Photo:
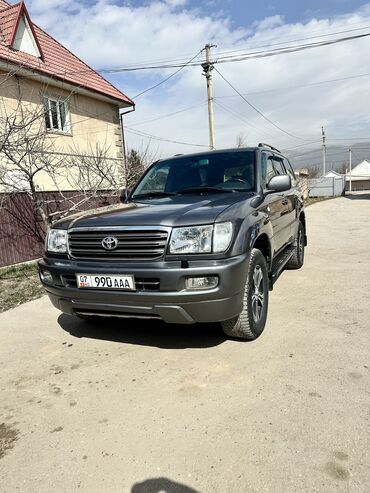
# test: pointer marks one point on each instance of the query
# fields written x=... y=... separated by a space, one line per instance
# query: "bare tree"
x=136 y=162
x=314 y=171
x=241 y=140
x=342 y=168
x=80 y=179
x=28 y=153
x=25 y=153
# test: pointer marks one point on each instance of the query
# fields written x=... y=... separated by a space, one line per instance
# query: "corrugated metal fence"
x=22 y=232
x=326 y=186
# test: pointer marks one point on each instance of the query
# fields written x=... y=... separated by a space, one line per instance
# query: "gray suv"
x=200 y=238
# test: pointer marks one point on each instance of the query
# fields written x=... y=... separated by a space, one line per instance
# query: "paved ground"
x=148 y=408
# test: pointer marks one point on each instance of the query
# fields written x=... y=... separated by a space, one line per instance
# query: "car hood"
x=179 y=210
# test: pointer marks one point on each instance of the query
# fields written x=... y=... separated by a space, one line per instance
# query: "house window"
x=56 y=115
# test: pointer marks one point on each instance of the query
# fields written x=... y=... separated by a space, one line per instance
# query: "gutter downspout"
x=123 y=140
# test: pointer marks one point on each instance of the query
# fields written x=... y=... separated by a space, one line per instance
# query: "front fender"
x=253 y=226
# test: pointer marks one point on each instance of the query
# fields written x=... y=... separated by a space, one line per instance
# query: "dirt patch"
x=19 y=284
x=8 y=437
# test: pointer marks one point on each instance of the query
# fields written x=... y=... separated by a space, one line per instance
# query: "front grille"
x=140 y=244
x=141 y=283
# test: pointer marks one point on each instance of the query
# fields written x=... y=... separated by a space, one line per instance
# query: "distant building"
x=333 y=174
x=359 y=177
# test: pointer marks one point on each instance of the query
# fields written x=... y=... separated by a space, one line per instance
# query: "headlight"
x=57 y=241
x=201 y=239
x=193 y=239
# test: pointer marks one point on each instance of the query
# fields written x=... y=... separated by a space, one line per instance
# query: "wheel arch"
x=302 y=218
x=262 y=243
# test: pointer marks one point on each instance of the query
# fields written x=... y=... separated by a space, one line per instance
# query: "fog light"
x=46 y=277
x=208 y=282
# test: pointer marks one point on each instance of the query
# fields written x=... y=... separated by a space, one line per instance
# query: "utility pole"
x=350 y=169
x=323 y=151
x=207 y=72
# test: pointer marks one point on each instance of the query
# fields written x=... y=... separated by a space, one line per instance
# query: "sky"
x=297 y=93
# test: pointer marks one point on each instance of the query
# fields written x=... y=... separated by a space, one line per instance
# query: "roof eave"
x=41 y=76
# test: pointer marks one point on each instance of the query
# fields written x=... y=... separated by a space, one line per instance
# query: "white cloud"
x=176 y=3
x=108 y=34
x=269 y=23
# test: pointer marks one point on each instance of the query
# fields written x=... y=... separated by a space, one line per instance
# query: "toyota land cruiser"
x=200 y=238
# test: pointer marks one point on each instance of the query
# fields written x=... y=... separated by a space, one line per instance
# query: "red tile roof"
x=8 y=22
x=56 y=61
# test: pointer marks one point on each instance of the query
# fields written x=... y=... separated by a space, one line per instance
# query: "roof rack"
x=261 y=144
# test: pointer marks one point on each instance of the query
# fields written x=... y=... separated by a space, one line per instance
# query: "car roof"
x=203 y=153
x=223 y=151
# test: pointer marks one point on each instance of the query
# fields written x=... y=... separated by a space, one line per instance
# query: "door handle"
x=284 y=201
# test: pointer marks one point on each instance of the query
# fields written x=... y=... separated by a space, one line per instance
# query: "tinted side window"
x=268 y=170
x=290 y=172
x=279 y=167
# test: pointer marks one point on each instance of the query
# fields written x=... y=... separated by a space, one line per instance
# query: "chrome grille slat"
x=116 y=251
x=122 y=243
x=119 y=235
x=133 y=244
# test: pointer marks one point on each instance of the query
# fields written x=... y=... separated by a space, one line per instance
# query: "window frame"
x=290 y=171
x=48 y=113
x=280 y=160
x=269 y=157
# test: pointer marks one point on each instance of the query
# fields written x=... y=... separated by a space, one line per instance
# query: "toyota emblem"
x=109 y=243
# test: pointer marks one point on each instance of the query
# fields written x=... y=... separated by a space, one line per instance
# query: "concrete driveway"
x=146 y=408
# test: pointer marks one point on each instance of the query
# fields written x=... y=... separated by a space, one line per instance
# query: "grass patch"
x=18 y=284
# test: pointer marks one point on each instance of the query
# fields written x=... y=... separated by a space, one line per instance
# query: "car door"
x=294 y=197
x=287 y=202
x=273 y=205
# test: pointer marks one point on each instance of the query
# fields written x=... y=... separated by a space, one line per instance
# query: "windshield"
x=218 y=171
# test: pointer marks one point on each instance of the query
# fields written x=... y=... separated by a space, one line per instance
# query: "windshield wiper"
x=150 y=195
x=206 y=190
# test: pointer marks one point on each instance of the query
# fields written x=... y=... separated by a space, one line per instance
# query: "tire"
x=297 y=260
x=250 y=323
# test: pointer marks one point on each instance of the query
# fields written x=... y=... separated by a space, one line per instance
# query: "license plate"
x=105 y=281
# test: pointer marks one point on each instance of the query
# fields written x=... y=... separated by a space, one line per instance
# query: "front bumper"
x=171 y=303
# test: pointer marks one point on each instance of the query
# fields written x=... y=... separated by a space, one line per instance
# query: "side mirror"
x=123 y=196
x=279 y=183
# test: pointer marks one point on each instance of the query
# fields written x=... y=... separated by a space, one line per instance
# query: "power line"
x=257 y=110
x=301 y=145
x=241 y=118
x=289 y=49
x=352 y=138
x=162 y=139
x=184 y=57
x=93 y=131
x=227 y=59
x=198 y=105
x=318 y=151
x=319 y=35
x=299 y=86
x=167 y=78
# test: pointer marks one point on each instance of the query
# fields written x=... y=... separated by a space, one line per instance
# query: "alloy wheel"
x=258 y=296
